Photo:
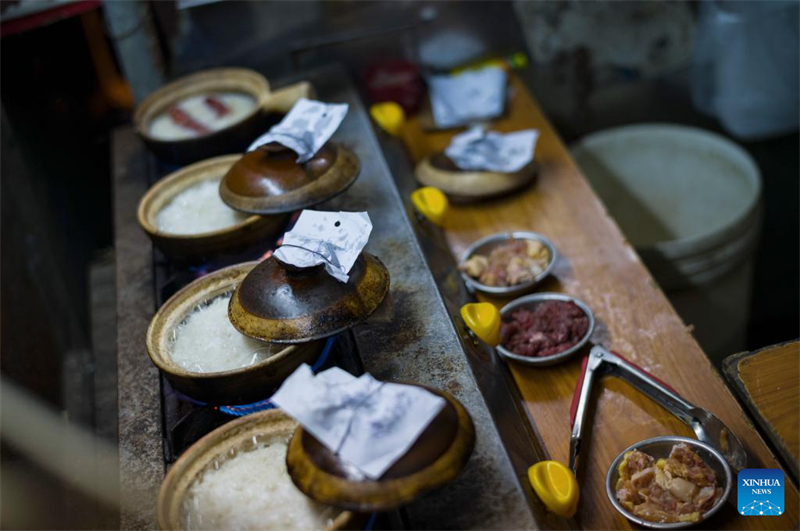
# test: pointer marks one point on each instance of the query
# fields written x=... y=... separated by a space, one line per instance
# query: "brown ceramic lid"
x=268 y=180
x=440 y=161
x=435 y=459
x=282 y=305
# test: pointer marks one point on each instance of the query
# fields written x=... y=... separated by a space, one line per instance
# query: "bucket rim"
x=740 y=155
x=745 y=228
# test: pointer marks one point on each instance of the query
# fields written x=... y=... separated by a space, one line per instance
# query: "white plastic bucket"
x=688 y=200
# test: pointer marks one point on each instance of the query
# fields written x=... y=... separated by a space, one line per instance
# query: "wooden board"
x=768 y=382
x=634 y=317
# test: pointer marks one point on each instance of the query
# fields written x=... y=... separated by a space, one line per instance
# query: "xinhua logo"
x=760 y=492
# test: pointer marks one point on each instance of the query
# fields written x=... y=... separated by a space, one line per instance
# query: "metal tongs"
x=557 y=485
x=706 y=426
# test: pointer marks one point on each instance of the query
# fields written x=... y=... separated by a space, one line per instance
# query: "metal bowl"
x=240 y=435
x=485 y=245
x=659 y=447
x=530 y=302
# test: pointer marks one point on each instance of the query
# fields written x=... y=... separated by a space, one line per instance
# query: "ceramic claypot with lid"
x=240 y=385
x=192 y=247
x=221 y=448
x=463 y=186
x=435 y=459
x=287 y=309
x=269 y=180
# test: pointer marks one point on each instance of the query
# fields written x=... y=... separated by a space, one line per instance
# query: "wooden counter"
x=768 y=382
x=634 y=317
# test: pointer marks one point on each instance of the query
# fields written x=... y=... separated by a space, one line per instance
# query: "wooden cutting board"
x=768 y=382
x=599 y=266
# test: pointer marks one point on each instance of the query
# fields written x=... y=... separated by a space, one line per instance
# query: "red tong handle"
x=648 y=373
x=573 y=408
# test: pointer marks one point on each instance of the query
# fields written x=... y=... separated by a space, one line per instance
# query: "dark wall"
x=56 y=206
x=55 y=212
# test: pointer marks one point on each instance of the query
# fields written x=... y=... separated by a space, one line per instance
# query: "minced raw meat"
x=550 y=328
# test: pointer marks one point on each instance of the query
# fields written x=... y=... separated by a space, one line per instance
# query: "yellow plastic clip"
x=389 y=116
x=483 y=318
x=431 y=203
x=556 y=486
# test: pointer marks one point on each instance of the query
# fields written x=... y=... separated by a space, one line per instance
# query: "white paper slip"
x=368 y=423
x=479 y=150
x=334 y=239
x=469 y=97
x=306 y=128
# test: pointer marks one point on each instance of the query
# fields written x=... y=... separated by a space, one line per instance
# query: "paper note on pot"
x=369 y=424
x=306 y=128
x=334 y=239
x=479 y=150
x=473 y=96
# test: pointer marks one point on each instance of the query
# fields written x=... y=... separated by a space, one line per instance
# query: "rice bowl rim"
x=178 y=307
x=237 y=80
x=192 y=464
x=163 y=192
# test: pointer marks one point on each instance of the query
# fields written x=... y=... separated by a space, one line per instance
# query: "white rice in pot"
x=207 y=341
x=252 y=490
x=164 y=127
x=197 y=210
